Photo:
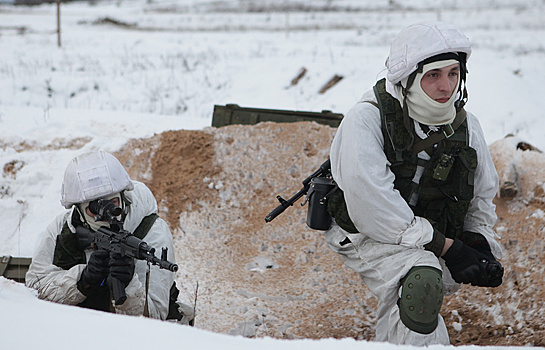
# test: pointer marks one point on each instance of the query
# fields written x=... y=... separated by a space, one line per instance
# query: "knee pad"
x=421 y=299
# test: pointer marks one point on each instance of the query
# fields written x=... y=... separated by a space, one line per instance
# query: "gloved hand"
x=95 y=272
x=482 y=247
x=468 y=265
x=121 y=268
x=493 y=267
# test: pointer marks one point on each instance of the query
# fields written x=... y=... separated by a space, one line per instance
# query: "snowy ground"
x=166 y=63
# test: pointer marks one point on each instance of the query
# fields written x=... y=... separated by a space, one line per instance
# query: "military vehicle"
x=234 y=114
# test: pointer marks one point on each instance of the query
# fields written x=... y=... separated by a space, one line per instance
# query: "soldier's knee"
x=421 y=299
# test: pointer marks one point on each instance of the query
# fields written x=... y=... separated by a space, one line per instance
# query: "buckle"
x=450 y=132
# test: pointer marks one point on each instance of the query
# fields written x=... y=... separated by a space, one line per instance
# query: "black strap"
x=145 y=225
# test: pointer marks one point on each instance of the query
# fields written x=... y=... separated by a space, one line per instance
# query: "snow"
x=108 y=84
x=29 y=326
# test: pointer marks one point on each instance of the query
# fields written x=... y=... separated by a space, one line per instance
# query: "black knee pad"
x=421 y=299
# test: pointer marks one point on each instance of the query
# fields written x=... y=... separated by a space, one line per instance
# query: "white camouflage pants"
x=382 y=266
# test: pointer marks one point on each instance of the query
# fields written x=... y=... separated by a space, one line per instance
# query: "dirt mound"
x=279 y=279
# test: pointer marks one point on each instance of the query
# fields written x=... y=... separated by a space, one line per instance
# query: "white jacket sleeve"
x=52 y=282
x=481 y=216
x=361 y=169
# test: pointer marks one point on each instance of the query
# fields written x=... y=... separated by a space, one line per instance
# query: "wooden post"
x=336 y=78
x=59 y=23
x=301 y=74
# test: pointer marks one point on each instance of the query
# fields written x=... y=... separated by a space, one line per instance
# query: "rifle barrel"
x=284 y=204
x=274 y=213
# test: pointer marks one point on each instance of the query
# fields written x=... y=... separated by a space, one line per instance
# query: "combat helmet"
x=423 y=43
x=92 y=176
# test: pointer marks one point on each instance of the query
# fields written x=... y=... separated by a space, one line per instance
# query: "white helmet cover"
x=91 y=176
x=420 y=41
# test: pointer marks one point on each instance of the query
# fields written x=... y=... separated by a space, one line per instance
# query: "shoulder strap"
x=373 y=103
x=392 y=118
x=145 y=225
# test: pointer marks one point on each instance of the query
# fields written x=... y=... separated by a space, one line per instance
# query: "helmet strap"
x=79 y=212
x=460 y=103
x=409 y=125
x=125 y=204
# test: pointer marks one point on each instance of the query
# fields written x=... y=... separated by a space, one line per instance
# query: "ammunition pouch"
x=326 y=201
x=318 y=217
x=336 y=207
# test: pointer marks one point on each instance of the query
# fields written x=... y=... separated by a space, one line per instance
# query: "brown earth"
x=279 y=279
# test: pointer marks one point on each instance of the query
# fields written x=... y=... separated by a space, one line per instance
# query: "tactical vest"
x=68 y=254
x=445 y=189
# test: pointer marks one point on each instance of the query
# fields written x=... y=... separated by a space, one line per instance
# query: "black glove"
x=476 y=241
x=483 y=247
x=468 y=265
x=95 y=272
x=494 y=269
x=121 y=268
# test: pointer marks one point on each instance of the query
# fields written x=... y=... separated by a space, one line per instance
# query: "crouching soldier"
x=68 y=268
x=415 y=215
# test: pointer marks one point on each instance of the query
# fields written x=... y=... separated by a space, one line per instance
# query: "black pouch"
x=337 y=209
x=318 y=217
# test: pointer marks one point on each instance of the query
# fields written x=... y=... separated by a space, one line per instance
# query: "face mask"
x=95 y=225
x=423 y=108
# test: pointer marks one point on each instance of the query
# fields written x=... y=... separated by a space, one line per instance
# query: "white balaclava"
x=423 y=108
x=95 y=225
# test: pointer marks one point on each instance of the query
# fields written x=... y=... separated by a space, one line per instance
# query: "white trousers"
x=382 y=266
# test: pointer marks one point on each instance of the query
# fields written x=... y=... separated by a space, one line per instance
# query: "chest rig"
x=444 y=190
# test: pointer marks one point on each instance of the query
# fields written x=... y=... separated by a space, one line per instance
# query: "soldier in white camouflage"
x=414 y=215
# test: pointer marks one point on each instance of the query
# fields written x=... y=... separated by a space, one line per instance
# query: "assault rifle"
x=116 y=240
x=318 y=184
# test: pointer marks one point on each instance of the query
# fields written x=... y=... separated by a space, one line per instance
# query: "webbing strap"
x=388 y=112
x=440 y=135
x=145 y=225
x=146 y=306
x=373 y=103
